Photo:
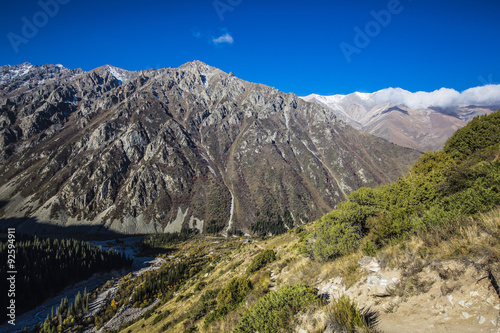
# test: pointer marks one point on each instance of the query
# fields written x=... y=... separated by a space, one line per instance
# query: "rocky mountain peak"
x=122 y=75
x=199 y=67
x=159 y=150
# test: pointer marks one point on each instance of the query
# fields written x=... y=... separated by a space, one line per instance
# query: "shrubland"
x=441 y=189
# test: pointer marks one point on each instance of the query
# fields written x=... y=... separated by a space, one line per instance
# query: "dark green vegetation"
x=46 y=266
x=156 y=241
x=439 y=189
x=274 y=312
x=207 y=302
x=233 y=293
x=270 y=219
x=218 y=208
x=164 y=281
x=261 y=260
x=66 y=315
x=480 y=133
x=229 y=298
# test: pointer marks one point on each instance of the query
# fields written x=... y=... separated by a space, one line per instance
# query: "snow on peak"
x=363 y=96
x=444 y=97
x=123 y=76
x=22 y=70
x=114 y=71
x=12 y=72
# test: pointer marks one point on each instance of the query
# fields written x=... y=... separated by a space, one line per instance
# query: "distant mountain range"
x=422 y=121
x=159 y=150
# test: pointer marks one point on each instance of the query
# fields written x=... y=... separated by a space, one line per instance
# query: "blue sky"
x=296 y=46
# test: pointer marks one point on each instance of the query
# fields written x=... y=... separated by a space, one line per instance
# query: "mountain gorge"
x=422 y=121
x=159 y=150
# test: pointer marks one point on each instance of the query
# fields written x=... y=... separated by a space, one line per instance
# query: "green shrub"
x=275 y=311
x=192 y=329
x=369 y=248
x=166 y=326
x=161 y=316
x=339 y=232
x=199 y=286
x=207 y=302
x=438 y=216
x=298 y=229
x=481 y=132
x=334 y=238
x=233 y=293
x=215 y=315
x=363 y=197
x=262 y=259
x=345 y=316
x=473 y=186
x=228 y=299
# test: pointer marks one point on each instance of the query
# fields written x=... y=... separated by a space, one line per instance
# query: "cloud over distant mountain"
x=444 y=97
x=419 y=120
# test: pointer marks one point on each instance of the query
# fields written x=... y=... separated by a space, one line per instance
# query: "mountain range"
x=160 y=150
x=421 y=120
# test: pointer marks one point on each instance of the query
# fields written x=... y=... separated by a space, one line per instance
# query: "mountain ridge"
x=159 y=150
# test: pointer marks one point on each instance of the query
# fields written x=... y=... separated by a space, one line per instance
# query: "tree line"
x=46 y=266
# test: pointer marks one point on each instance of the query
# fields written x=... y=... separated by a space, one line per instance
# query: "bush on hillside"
x=233 y=293
x=275 y=311
x=334 y=238
x=480 y=133
x=262 y=259
x=340 y=231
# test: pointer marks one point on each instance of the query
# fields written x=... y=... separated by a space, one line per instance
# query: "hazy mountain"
x=156 y=150
x=422 y=121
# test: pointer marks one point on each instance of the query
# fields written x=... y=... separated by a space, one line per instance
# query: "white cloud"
x=485 y=95
x=489 y=94
x=226 y=38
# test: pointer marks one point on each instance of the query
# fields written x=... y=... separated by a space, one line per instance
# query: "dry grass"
x=305 y=270
x=233 y=263
x=346 y=316
x=476 y=237
x=348 y=268
x=312 y=320
x=473 y=241
x=473 y=237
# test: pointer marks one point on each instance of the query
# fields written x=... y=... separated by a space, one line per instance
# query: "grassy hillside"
x=437 y=227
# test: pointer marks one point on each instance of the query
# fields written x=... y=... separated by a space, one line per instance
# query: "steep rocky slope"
x=156 y=150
